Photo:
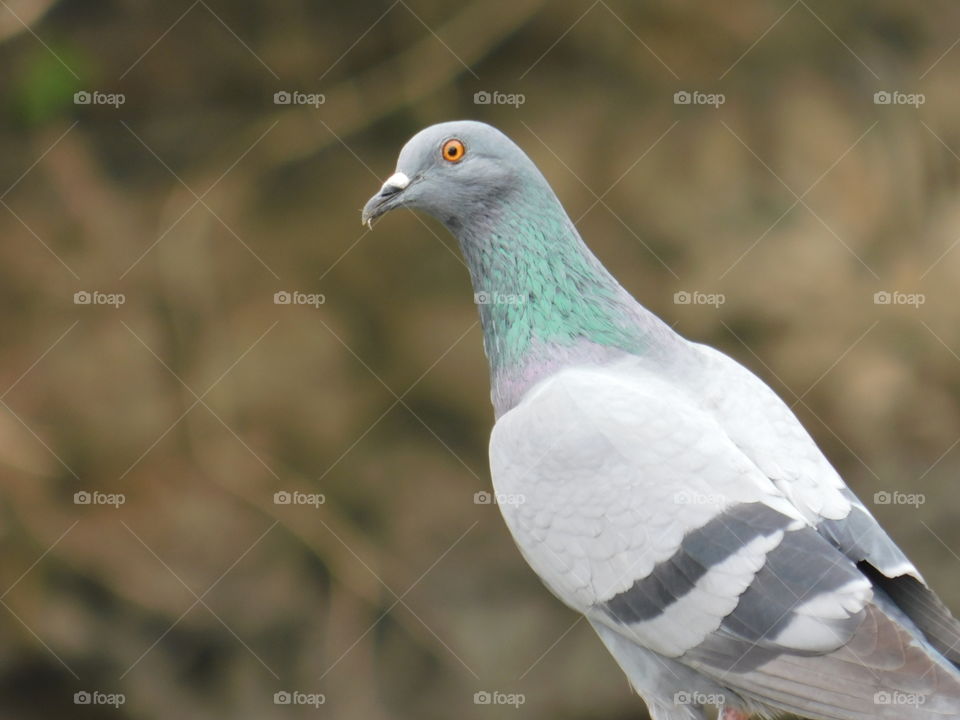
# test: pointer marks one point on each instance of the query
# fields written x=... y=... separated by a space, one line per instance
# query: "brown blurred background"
x=198 y=398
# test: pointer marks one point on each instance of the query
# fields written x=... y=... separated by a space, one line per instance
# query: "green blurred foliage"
x=43 y=91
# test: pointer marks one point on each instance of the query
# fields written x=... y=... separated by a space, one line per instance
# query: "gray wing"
x=641 y=512
x=860 y=537
x=809 y=635
x=766 y=430
x=881 y=672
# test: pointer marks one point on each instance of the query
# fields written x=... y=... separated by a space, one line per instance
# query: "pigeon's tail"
x=927 y=613
x=887 y=670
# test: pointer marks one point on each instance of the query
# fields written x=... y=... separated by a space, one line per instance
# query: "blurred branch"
x=361 y=100
x=336 y=543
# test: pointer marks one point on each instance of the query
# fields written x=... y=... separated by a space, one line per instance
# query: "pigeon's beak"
x=387 y=199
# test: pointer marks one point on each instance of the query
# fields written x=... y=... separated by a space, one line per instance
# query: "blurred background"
x=210 y=496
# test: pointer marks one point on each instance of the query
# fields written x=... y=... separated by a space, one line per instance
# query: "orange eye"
x=453 y=150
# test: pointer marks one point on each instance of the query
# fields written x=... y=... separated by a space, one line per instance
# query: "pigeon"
x=668 y=494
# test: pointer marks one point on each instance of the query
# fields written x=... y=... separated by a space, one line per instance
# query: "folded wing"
x=642 y=512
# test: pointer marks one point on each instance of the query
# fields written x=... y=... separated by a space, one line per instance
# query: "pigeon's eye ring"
x=453 y=150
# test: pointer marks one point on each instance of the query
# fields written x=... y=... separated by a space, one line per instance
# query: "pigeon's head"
x=453 y=171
